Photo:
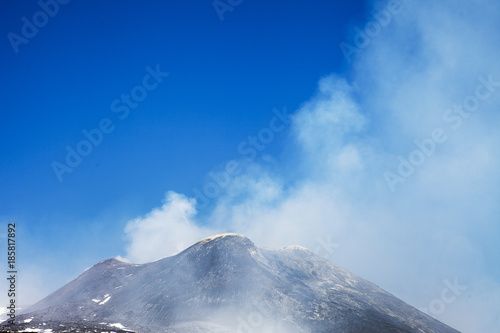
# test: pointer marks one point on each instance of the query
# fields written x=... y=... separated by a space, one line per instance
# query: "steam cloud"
x=438 y=222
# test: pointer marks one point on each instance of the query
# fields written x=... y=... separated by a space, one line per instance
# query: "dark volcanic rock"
x=226 y=284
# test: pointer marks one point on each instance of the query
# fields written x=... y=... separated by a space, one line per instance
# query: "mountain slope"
x=226 y=284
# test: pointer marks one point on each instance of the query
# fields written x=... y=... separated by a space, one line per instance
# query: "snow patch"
x=96 y=300
x=105 y=300
x=253 y=252
x=28 y=320
x=117 y=325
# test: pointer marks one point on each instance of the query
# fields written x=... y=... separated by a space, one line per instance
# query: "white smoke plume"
x=397 y=164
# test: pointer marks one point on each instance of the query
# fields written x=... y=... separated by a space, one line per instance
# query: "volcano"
x=221 y=284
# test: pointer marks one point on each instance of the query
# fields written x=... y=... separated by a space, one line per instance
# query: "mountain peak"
x=226 y=244
x=225 y=240
x=225 y=237
x=222 y=280
x=112 y=262
x=295 y=247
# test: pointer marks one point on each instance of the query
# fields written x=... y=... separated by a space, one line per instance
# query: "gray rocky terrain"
x=221 y=284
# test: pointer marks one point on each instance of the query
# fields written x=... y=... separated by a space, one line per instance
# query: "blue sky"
x=374 y=157
x=225 y=79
